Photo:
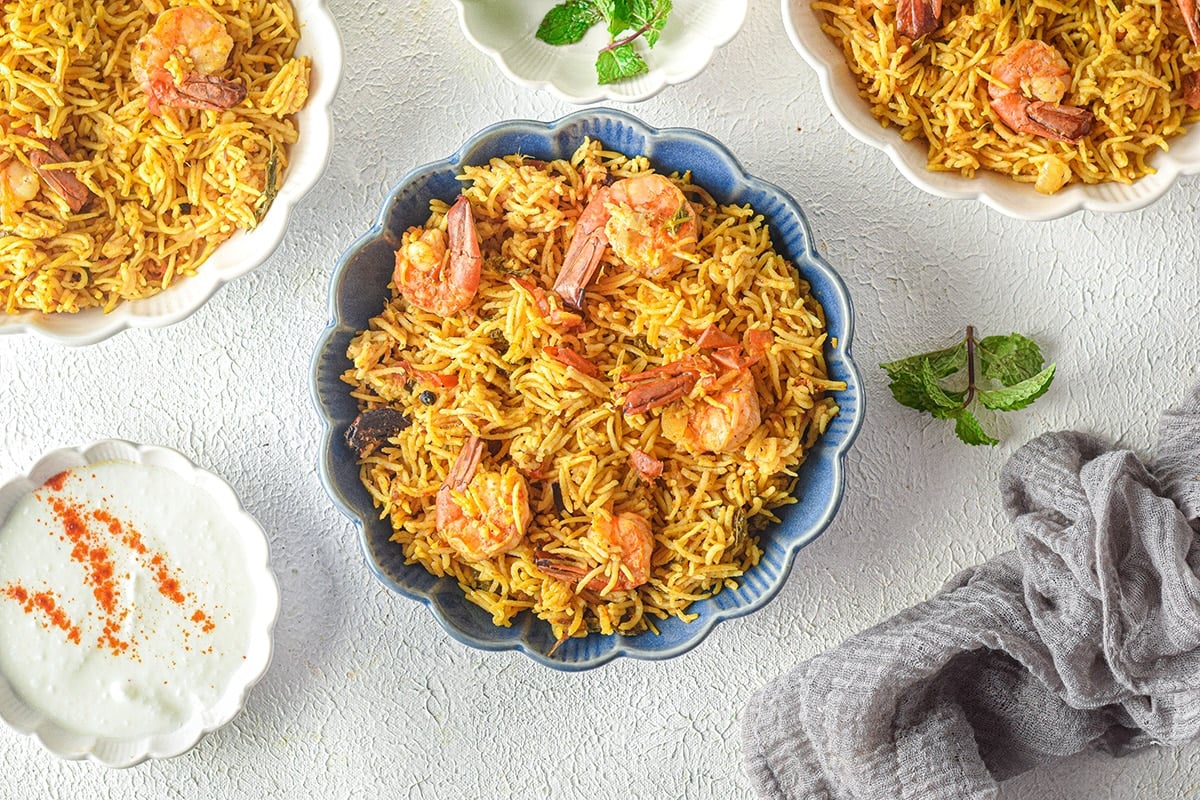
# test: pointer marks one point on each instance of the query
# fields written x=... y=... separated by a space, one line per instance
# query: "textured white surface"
x=367 y=696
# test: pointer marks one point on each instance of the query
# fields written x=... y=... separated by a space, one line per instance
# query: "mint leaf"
x=619 y=63
x=649 y=16
x=1010 y=365
x=661 y=11
x=1018 y=395
x=968 y=429
x=619 y=18
x=568 y=21
x=943 y=362
x=909 y=390
x=936 y=394
x=908 y=382
x=1009 y=359
x=948 y=361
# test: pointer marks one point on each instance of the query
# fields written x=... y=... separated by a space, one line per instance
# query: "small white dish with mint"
x=588 y=51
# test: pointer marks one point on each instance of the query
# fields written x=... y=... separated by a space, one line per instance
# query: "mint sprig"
x=1011 y=367
x=627 y=21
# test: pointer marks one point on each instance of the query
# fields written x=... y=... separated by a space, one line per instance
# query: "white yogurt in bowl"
x=136 y=603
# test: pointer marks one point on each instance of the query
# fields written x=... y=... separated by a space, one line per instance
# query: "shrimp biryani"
x=136 y=137
x=1106 y=87
x=591 y=386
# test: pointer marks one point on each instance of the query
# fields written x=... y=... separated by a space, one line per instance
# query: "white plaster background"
x=367 y=697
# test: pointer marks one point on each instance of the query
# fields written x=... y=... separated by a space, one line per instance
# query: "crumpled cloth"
x=1086 y=636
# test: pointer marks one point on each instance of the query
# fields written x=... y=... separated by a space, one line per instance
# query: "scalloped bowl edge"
x=119 y=752
x=830 y=454
x=996 y=191
x=310 y=157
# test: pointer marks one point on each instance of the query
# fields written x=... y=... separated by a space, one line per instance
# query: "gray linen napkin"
x=1087 y=635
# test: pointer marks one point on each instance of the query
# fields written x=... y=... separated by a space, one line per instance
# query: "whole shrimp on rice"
x=726 y=411
x=482 y=513
x=1028 y=81
x=645 y=220
x=628 y=542
x=22 y=183
x=439 y=271
x=177 y=60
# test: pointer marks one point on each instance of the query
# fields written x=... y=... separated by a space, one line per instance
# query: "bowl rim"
x=91 y=326
x=657 y=80
x=120 y=752
x=833 y=454
x=1031 y=206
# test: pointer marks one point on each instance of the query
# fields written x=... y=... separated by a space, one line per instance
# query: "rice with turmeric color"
x=490 y=371
x=1129 y=63
x=159 y=192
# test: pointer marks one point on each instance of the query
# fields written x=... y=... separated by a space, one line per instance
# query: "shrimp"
x=21 y=183
x=176 y=60
x=64 y=184
x=1191 y=18
x=647 y=465
x=439 y=272
x=644 y=219
x=18 y=185
x=482 y=514
x=629 y=543
x=569 y=358
x=1191 y=90
x=1028 y=81
x=915 y=18
x=727 y=412
x=720 y=422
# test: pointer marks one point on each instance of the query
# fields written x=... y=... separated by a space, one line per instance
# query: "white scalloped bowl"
x=1007 y=196
x=245 y=250
x=504 y=30
x=117 y=751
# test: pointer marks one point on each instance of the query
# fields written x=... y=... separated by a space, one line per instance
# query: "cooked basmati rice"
x=564 y=430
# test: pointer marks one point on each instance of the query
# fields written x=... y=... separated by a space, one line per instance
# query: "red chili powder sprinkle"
x=91 y=549
x=56 y=481
x=46 y=604
x=203 y=621
x=168 y=586
x=131 y=538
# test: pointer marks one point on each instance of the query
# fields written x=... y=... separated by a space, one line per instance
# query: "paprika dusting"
x=95 y=535
x=131 y=597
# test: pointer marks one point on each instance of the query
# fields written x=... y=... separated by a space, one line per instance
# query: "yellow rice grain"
x=1127 y=63
x=565 y=430
x=167 y=190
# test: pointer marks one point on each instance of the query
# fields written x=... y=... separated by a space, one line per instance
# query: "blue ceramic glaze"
x=358 y=292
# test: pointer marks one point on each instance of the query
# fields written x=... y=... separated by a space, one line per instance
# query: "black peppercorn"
x=428 y=398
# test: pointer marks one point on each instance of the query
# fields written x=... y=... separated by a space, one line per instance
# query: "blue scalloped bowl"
x=358 y=292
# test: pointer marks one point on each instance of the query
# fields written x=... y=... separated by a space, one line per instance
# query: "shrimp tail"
x=465 y=465
x=194 y=91
x=658 y=386
x=1059 y=122
x=67 y=186
x=557 y=567
x=647 y=465
x=568 y=357
x=466 y=259
x=1191 y=18
x=916 y=18
x=587 y=247
x=653 y=394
